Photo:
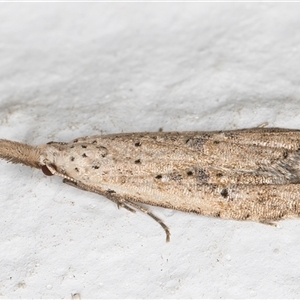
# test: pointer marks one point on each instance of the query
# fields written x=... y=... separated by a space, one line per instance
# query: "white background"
x=74 y=69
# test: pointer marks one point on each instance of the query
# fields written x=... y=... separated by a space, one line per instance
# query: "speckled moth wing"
x=249 y=174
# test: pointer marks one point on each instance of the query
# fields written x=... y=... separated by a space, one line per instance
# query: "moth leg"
x=149 y=213
x=120 y=203
x=266 y=222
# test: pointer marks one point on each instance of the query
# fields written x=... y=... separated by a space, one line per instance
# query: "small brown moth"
x=248 y=174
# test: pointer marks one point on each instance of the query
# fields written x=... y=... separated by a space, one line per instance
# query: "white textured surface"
x=71 y=69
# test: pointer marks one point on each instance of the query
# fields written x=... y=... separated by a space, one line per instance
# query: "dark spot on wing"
x=84 y=146
x=137 y=144
x=72 y=158
x=224 y=193
x=158 y=176
x=84 y=155
x=103 y=150
x=200 y=175
x=138 y=161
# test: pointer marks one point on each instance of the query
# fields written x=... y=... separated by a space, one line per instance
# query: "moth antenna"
x=20 y=153
x=153 y=216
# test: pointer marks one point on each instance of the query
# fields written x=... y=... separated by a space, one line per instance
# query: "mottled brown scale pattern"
x=248 y=174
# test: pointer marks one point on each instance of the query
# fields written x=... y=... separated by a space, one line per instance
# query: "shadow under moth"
x=247 y=174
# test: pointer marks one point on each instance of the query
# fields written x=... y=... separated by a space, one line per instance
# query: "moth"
x=248 y=174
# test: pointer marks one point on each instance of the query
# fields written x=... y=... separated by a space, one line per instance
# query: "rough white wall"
x=75 y=69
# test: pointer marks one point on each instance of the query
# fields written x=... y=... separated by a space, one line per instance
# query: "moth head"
x=52 y=159
x=73 y=161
